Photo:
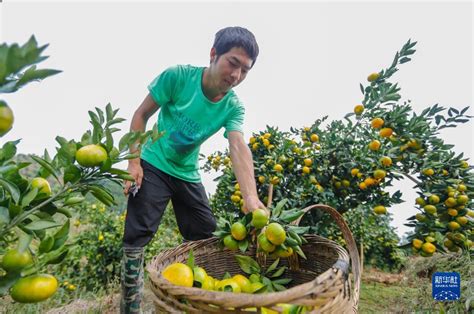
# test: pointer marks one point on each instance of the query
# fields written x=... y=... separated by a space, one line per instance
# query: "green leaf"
x=48 y=166
x=41 y=225
x=28 y=197
x=63 y=232
x=282 y=281
x=300 y=252
x=227 y=276
x=46 y=245
x=4 y=216
x=109 y=140
x=72 y=174
x=109 y=114
x=7 y=281
x=279 y=272
x=291 y=215
x=278 y=287
x=273 y=266
x=190 y=261
x=12 y=189
x=243 y=245
x=24 y=242
x=247 y=264
x=279 y=207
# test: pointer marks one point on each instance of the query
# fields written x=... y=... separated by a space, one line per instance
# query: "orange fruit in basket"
x=281 y=252
x=243 y=282
x=257 y=286
x=259 y=218
x=275 y=233
x=199 y=276
x=228 y=285
x=231 y=243
x=265 y=244
x=238 y=231
x=179 y=274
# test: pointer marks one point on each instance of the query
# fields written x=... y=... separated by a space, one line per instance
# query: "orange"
x=238 y=231
x=275 y=233
x=379 y=174
x=377 y=123
x=261 y=179
x=179 y=274
x=314 y=138
x=6 y=118
x=259 y=218
x=34 y=288
x=252 y=140
x=386 y=161
x=14 y=261
x=358 y=109
x=452 y=212
x=308 y=162
x=452 y=225
x=275 y=180
x=428 y=248
x=235 y=198
x=231 y=243
x=280 y=252
x=362 y=185
x=462 y=188
x=380 y=210
x=354 y=172
x=420 y=201
x=428 y=172
x=228 y=285
x=462 y=220
x=306 y=170
x=430 y=209
x=373 y=77
x=257 y=286
x=417 y=243
x=386 y=132
x=374 y=145
x=450 y=202
x=91 y=155
x=243 y=282
x=433 y=199
x=199 y=275
x=462 y=199
x=420 y=217
x=265 y=244
x=42 y=185
x=278 y=168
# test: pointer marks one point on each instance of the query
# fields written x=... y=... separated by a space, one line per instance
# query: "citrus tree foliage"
x=350 y=163
x=34 y=218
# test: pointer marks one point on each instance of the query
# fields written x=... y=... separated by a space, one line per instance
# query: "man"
x=194 y=103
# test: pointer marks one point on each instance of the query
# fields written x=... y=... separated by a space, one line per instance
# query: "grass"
x=382 y=298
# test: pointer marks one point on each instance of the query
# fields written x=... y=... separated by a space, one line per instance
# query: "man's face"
x=230 y=68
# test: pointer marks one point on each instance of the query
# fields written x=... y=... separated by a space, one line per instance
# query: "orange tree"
x=349 y=164
x=34 y=218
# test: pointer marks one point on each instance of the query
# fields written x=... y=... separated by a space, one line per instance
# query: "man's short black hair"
x=236 y=36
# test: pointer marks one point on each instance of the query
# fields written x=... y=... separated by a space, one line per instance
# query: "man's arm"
x=139 y=120
x=242 y=164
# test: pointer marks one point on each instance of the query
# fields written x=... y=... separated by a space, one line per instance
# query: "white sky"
x=312 y=57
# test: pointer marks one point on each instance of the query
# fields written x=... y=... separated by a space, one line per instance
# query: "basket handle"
x=351 y=244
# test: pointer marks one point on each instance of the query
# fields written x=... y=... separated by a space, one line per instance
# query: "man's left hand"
x=251 y=204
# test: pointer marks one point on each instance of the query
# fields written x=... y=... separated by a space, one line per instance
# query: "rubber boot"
x=131 y=280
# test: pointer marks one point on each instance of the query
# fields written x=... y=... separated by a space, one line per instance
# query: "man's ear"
x=213 y=55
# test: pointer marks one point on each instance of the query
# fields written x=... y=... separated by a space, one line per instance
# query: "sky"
x=313 y=55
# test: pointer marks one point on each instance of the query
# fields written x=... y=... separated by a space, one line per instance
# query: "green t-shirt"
x=188 y=118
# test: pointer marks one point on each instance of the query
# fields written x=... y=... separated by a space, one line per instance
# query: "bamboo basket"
x=321 y=282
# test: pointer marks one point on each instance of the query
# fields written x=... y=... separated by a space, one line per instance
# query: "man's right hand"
x=136 y=171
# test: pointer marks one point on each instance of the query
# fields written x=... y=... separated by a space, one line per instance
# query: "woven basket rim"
x=261 y=299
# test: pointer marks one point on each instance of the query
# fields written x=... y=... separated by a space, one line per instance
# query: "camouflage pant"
x=131 y=280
